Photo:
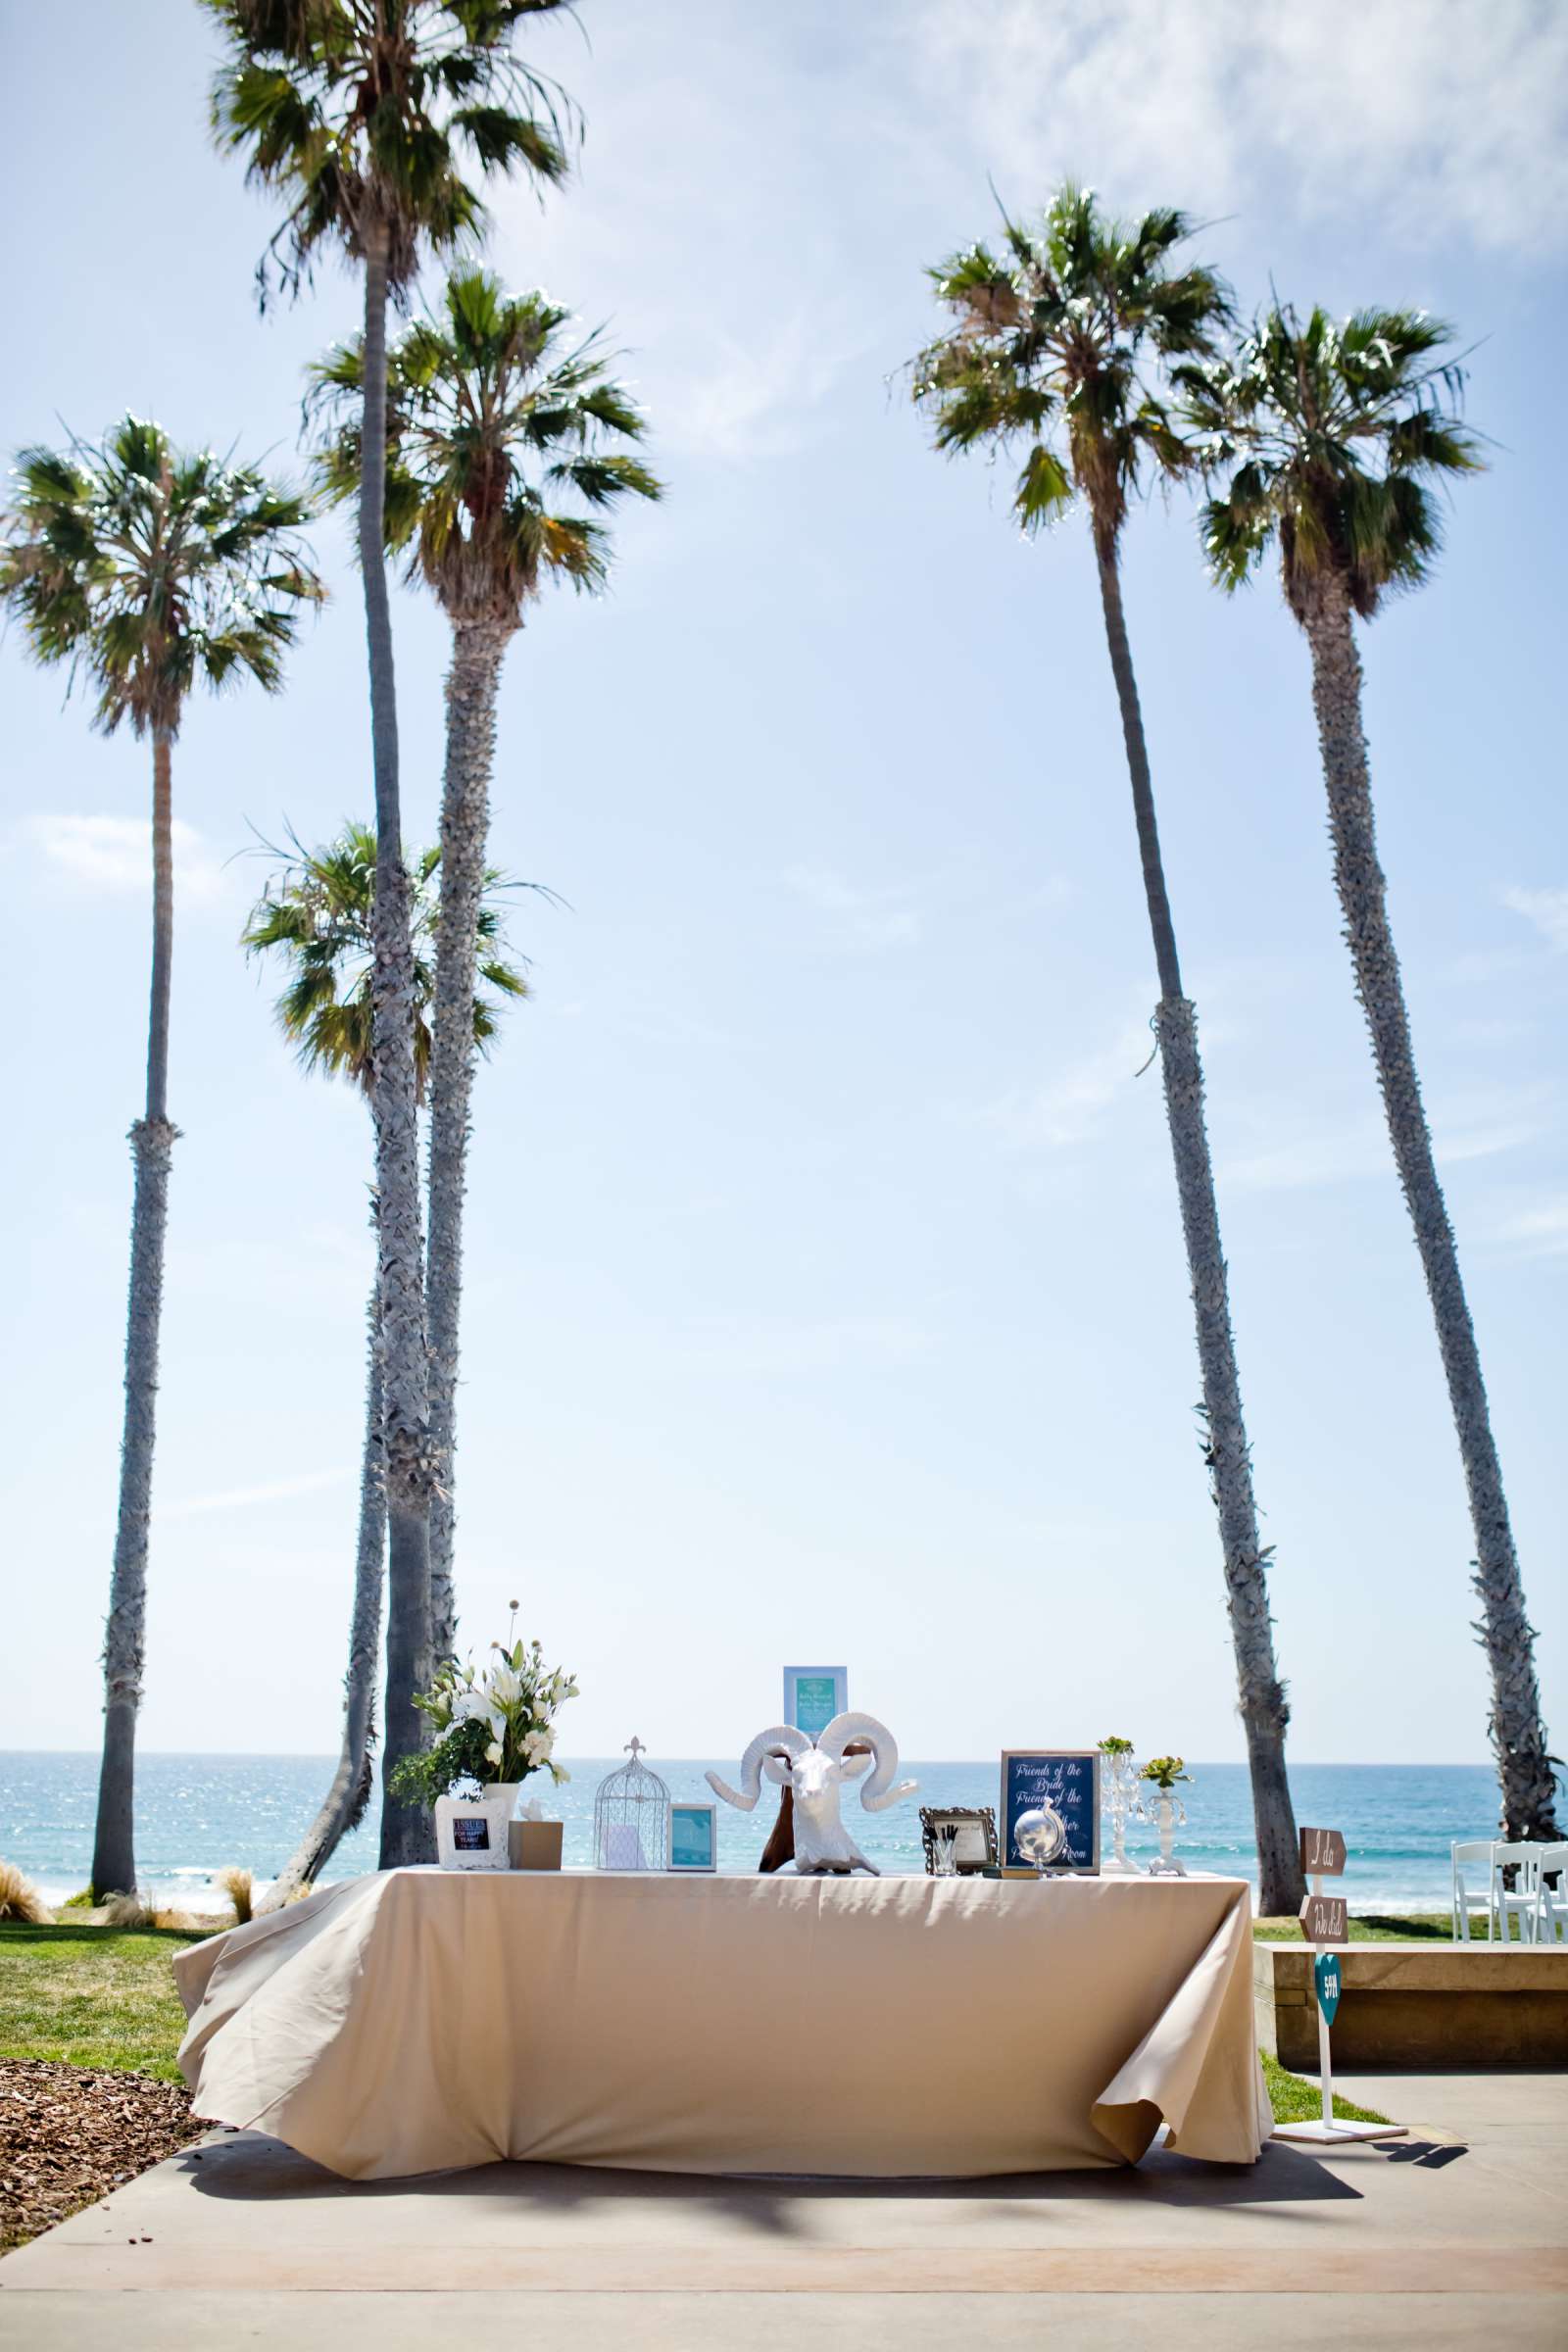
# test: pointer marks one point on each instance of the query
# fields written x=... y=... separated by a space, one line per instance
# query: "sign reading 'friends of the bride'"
x=1067 y=1781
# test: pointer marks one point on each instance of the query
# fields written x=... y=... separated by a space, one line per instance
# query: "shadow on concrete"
x=252 y=2169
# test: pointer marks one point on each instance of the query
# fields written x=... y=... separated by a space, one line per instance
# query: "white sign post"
x=1325 y=1921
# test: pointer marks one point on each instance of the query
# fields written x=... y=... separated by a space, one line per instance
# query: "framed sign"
x=471 y=1833
x=973 y=1830
x=813 y=1696
x=1066 y=1779
x=693 y=1837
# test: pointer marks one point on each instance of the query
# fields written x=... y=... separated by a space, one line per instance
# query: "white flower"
x=492 y=1754
x=505 y=1686
x=467 y=1705
x=538 y=1744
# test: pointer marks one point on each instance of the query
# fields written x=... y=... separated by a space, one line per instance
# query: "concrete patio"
x=1453 y=2237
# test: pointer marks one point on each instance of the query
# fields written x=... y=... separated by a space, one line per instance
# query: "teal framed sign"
x=693 y=1837
x=813 y=1696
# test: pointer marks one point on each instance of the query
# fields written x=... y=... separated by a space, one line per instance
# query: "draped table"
x=421 y=2020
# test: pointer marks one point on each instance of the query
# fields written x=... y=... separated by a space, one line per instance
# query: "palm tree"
x=491 y=419
x=149 y=570
x=1333 y=436
x=1050 y=354
x=318 y=915
x=363 y=115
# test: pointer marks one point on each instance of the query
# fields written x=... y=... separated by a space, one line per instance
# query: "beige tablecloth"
x=419 y=2019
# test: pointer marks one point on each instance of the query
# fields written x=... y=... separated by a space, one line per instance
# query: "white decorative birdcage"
x=631 y=1816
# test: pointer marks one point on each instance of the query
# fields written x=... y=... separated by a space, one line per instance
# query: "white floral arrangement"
x=491 y=1724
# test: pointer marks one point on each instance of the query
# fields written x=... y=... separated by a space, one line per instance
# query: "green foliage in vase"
x=1165 y=1771
x=493 y=1725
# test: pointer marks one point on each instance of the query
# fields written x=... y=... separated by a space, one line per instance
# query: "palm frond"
x=1049 y=343
x=317 y=913
x=1331 y=433
x=146 y=570
x=492 y=412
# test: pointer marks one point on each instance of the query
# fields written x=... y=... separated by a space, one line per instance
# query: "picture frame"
x=1068 y=1779
x=813 y=1696
x=693 y=1847
x=975 y=1848
x=471 y=1833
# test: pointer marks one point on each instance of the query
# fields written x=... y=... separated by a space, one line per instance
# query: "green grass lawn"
x=105 y=1997
x=1295 y=2101
x=1414 y=1927
x=97 y=1997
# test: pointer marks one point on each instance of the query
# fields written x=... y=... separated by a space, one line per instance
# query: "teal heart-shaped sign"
x=1326 y=1977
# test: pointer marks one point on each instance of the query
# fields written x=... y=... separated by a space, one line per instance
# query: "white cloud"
x=114 y=854
x=1071 y=1108
x=1540 y=1232
x=859 y=918
x=1548 y=909
x=810 y=1347
x=761 y=398
x=1308 y=1151
x=1447 y=119
x=234 y=1499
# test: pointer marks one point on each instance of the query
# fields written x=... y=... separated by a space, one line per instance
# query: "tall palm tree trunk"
x=1518 y=1735
x=406 y=1833
x=354 y=1778
x=478 y=649
x=1264 y=1709
x=152 y=1144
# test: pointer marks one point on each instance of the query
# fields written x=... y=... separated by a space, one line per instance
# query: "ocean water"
x=197 y=1814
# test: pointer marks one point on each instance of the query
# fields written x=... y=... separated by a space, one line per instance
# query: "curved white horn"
x=782 y=1736
x=877 y=1791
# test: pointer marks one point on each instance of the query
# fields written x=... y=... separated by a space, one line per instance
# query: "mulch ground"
x=70 y=2134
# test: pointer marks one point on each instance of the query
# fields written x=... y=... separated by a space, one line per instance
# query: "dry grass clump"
x=20 y=1899
x=240 y=1887
x=128 y=1911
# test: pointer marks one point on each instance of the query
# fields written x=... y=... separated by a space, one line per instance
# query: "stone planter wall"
x=1418 y=2005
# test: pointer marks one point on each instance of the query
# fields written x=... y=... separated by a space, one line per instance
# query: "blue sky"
x=826 y=1294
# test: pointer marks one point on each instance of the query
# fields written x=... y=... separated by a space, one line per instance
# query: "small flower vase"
x=1168 y=1811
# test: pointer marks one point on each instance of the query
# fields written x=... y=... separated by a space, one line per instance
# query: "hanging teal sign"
x=1326 y=1977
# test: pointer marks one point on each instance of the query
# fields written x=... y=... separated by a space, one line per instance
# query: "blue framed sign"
x=1067 y=1780
x=693 y=1836
x=813 y=1696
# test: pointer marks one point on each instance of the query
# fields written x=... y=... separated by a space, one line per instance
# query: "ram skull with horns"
x=815 y=1771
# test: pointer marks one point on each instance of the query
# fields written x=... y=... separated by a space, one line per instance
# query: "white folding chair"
x=1551 y=1900
x=1474 y=1882
x=1521 y=1901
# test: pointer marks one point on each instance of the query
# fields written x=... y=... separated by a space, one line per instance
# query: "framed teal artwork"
x=693 y=1836
x=813 y=1696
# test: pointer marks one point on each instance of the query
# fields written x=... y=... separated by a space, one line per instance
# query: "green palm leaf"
x=318 y=915
x=1329 y=440
x=355 y=113
x=491 y=412
x=149 y=570
x=1047 y=354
